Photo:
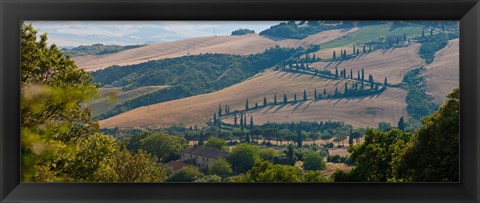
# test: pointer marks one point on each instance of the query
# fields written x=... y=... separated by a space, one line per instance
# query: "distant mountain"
x=97 y=49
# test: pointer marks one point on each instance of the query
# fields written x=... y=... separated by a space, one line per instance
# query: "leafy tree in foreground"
x=433 y=155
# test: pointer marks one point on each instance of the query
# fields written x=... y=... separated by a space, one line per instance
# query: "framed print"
x=239 y=101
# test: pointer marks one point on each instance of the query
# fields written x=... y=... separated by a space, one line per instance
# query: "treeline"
x=293 y=30
x=243 y=32
x=419 y=103
x=97 y=49
x=431 y=44
x=430 y=154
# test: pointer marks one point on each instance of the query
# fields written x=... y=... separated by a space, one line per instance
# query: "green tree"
x=275 y=99
x=246 y=104
x=266 y=172
x=401 y=124
x=220 y=167
x=216 y=143
x=264 y=101
x=125 y=167
x=313 y=161
x=433 y=155
x=185 y=174
x=165 y=147
x=243 y=157
x=285 y=100
x=334 y=55
x=315 y=94
x=209 y=179
x=268 y=154
x=304 y=95
x=219 y=110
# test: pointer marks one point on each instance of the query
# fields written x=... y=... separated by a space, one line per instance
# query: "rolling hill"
x=443 y=74
x=239 y=45
x=198 y=110
x=391 y=63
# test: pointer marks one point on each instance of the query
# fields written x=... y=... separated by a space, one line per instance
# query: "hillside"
x=97 y=49
x=198 y=110
x=108 y=98
x=392 y=63
x=239 y=45
x=443 y=74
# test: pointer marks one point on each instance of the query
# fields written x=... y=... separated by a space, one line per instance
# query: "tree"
x=275 y=99
x=165 y=147
x=290 y=153
x=404 y=37
x=243 y=157
x=295 y=97
x=264 y=171
x=315 y=94
x=220 y=167
x=285 y=100
x=125 y=167
x=423 y=33
x=325 y=93
x=336 y=91
x=336 y=72
x=185 y=174
x=246 y=104
x=299 y=139
x=345 y=92
x=219 y=110
x=326 y=137
x=433 y=155
x=363 y=48
x=363 y=75
x=351 y=74
x=245 y=121
x=60 y=142
x=251 y=122
x=241 y=121
x=268 y=154
x=385 y=82
x=401 y=124
x=235 y=119
x=256 y=104
x=216 y=143
x=264 y=101
x=353 y=49
x=209 y=179
x=313 y=161
x=304 y=95
x=334 y=55
x=214 y=118
x=282 y=134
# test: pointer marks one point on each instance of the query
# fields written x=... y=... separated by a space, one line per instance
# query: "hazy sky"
x=75 y=33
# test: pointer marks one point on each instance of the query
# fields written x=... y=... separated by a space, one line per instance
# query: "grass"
x=367 y=33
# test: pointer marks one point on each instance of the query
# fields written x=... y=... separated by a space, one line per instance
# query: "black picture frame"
x=14 y=11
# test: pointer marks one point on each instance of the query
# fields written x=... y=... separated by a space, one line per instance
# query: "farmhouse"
x=201 y=156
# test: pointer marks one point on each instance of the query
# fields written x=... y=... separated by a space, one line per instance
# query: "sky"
x=76 y=33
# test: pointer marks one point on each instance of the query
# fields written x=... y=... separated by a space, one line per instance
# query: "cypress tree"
x=314 y=58
x=401 y=124
x=325 y=93
x=245 y=121
x=385 y=82
x=264 y=101
x=226 y=109
x=304 y=95
x=346 y=89
x=256 y=104
x=358 y=51
x=219 y=110
x=299 y=139
x=295 y=97
x=351 y=74
x=404 y=37
x=363 y=48
x=336 y=72
x=246 y=105
x=363 y=75
x=214 y=118
x=285 y=100
x=275 y=99
x=241 y=121
x=423 y=33
x=247 y=137
x=334 y=55
x=336 y=91
x=369 y=48
x=358 y=75
x=315 y=94
x=251 y=122
x=235 y=120
x=354 y=49
x=344 y=73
